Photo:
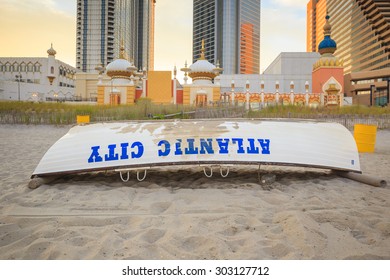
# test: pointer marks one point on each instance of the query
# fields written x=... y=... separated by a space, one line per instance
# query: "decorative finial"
x=100 y=68
x=327 y=26
x=51 y=51
x=122 y=50
x=202 y=57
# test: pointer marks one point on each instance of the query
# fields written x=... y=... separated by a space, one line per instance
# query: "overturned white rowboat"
x=139 y=145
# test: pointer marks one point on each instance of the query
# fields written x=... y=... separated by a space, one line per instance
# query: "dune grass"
x=291 y=111
x=65 y=113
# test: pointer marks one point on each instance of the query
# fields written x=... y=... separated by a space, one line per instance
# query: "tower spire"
x=202 y=50
x=122 y=50
x=327 y=26
x=328 y=45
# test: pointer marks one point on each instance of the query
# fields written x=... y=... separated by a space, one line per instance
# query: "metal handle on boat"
x=205 y=173
x=143 y=178
x=128 y=173
x=128 y=176
x=221 y=171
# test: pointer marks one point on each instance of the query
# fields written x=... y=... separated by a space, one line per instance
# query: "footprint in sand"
x=230 y=231
x=278 y=251
x=362 y=237
x=160 y=207
x=153 y=235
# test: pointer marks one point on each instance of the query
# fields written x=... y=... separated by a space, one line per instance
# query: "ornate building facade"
x=36 y=78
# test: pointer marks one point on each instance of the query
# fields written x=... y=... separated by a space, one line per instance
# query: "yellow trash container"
x=82 y=119
x=365 y=136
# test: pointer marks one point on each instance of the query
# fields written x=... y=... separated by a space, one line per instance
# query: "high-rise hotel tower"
x=104 y=25
x=360 y=27
x=231 y=30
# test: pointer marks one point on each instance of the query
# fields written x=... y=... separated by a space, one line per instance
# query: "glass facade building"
x=103 y=25
x=361 y=29
x=231 y=30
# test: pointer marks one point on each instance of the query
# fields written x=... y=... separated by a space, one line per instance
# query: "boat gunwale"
x=200 y=163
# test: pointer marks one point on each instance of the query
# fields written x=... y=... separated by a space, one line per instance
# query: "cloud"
x=29 y=27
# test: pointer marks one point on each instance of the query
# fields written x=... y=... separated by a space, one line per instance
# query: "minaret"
x=51 y=62
x=328 y=71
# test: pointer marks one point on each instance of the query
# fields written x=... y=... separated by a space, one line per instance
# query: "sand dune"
x=178 y=213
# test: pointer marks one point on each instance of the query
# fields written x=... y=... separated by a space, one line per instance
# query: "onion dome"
x=326 y=48
x=120 y=68
x=51 y=51
x=202 y=69
x=328 y=45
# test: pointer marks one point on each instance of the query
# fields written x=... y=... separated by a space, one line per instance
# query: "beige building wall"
x=86 y=85
x=159 y=87
x=190 y=92
x=216 y=94
x=186 y=95
x=130 y=94
x=100 y=95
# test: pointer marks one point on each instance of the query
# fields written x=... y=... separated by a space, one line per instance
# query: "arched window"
x=37 y=67
x=22 y=67
x=15 y=67
x=52 y=70
x=30 y=67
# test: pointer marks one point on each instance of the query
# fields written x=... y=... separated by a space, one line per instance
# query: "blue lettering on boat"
x=137 y=151
x=179 y=147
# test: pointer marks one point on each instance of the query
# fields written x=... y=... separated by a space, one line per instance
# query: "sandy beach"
x=178 y=213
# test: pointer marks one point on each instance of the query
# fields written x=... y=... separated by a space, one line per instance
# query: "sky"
x=28 y=27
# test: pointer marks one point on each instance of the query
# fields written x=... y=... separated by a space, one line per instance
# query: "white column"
x=292 y=92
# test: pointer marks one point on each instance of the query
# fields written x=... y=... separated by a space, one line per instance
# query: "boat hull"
x=121 y=145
